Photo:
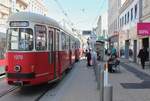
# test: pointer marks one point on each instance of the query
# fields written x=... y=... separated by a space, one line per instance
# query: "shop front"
x=143 y=31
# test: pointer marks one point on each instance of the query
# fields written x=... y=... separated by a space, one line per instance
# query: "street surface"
x=131 y=83
x=79 y=86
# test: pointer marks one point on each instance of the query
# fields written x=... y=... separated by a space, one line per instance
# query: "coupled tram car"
x=38 y=49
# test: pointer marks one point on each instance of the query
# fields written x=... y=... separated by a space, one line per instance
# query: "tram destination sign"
x=143 y=29
x=19 y=24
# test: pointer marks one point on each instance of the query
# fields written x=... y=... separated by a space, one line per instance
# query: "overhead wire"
x=64 y=13
x=101 y=8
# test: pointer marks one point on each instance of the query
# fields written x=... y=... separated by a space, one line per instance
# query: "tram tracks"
x=5 y=92
x=49 y=87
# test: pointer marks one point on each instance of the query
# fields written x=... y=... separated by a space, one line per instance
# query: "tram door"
x=53 y=44
x=51 y=51
x=56 y=53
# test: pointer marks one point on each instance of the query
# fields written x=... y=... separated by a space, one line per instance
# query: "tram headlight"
x=17 y=68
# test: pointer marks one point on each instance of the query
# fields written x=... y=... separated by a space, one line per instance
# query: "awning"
x=143 y=29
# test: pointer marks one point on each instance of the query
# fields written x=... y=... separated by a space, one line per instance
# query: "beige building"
x=8 y=7
x=4 y=12
x=113 y=22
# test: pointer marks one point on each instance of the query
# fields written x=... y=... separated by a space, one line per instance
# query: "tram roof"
x=33 y=17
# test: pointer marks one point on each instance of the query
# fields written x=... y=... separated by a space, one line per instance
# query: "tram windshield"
x=20 y=39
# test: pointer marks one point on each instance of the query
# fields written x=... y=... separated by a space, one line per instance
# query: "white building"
x=130 y=14
x=37 y=6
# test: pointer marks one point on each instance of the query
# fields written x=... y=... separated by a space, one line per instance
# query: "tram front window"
x=20 y=39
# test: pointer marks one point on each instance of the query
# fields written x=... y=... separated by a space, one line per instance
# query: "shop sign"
x=143 y=29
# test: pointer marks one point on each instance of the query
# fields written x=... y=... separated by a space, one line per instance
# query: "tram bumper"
x=20 y=79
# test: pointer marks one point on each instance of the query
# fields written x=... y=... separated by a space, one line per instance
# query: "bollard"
x=96 y=73
x=101 y=84
x=106 y=90
x=98 y=76
x=108 y=93
x=105 y=74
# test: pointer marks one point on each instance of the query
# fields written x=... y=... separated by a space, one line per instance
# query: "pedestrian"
x=113 y=51
x=89 y=57
x=94 y=58
x=143 y=55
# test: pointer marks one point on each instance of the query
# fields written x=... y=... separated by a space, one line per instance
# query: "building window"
x=120 y=23
x=128 y=17
x=135 y=11
x=131 y=14
x=125 y=18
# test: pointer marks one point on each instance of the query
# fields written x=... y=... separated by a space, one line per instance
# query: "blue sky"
x=82 y=13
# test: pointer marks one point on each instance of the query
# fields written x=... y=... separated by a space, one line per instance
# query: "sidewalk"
x=132 y=83
x=79 y=86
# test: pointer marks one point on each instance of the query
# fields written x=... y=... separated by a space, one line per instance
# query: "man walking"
x=89 y=57
x=143 y=55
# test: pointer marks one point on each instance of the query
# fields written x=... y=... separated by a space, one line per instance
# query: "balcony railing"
x=4 y=9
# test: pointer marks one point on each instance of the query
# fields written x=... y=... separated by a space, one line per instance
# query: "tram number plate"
x=18 y=83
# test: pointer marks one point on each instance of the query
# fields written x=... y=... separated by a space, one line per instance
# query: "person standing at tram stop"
x=143 y=55
x=94 y=58
x=113 y=51
x=89 y=57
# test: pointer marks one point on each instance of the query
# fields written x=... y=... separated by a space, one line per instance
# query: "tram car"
x=39 y=50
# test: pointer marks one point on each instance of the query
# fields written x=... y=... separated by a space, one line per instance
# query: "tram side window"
x=63 y=41
x=72 y=43
x=41 y=37
x=67 y=41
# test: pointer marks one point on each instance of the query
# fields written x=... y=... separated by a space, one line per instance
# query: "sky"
x=81 y=14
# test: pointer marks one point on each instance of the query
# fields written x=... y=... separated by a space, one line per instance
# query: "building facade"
x=113 y=23
x=37 y=6
x=145 y=20
x=130 y=14
x=98 y=27
x=102 y=28
x=134 y=15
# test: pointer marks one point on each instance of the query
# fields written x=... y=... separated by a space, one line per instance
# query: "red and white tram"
x=38 y=49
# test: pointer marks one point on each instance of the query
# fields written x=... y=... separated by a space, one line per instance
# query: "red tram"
x=38 y=49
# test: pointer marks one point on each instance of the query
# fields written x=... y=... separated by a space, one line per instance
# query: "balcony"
x=5 y=3
x=24 y=2
x=3 y=9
